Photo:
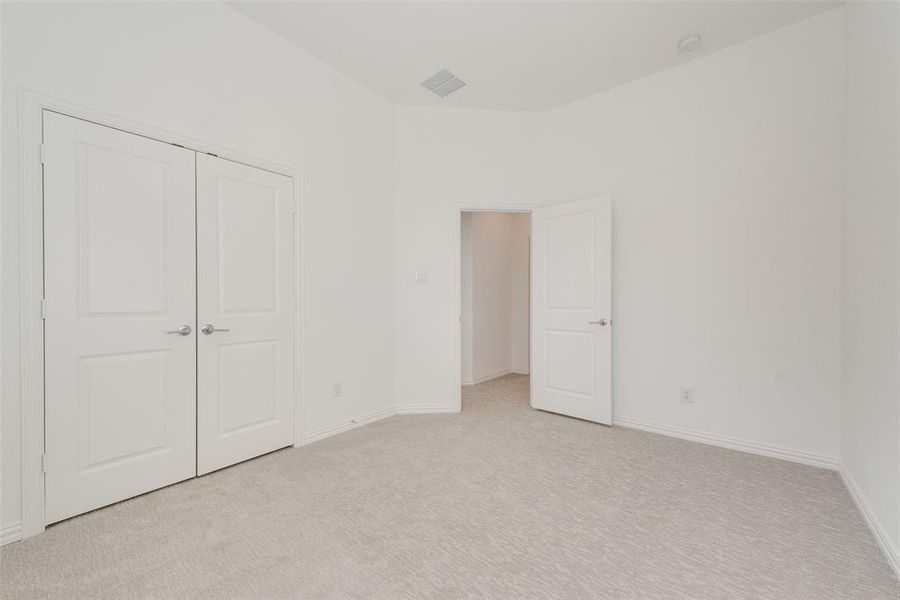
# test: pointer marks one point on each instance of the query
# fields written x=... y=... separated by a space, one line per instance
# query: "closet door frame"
x=30 y=281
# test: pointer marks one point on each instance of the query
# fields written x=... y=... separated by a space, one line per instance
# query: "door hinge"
x=44 y=463
x=44 y=308
x=43 y=154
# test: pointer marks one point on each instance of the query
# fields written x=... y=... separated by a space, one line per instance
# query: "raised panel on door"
x=246 y=306
x=119 y=274
x=571 y=310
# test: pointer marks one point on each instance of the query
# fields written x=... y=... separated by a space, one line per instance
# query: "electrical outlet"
x=687 y=395
x=337 y=390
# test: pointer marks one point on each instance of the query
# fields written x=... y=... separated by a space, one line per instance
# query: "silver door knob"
x=209 y=329
x=183 y=330
x=601 y=322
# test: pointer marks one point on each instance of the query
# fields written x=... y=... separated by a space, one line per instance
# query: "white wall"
x=205 y=71
x=495 y=313
x=491 y=326
x=446 y=158
x=870 y=440
x=520 y=291
x=726 y=178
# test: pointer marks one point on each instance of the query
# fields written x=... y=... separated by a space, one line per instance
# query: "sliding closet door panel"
x=245 y=312
x=119 y=274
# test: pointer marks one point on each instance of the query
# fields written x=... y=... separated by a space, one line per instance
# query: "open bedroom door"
x=571 y=321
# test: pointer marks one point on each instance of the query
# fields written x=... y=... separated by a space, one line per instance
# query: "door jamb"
x=31 y=106
x=456 y=272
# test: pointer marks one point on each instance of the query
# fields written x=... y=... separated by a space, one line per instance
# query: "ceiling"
x=529 y=56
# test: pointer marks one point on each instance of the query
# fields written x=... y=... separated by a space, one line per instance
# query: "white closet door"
x=245 y=311
x=119 y=274
x=571 y=367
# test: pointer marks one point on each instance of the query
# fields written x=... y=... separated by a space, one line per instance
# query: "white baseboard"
x=891 y=552
x=488 y=377
x=425 y=409
x=406 y=409
x=326 y=432
x=10 y=533
x=483 y=378
x=798 y=456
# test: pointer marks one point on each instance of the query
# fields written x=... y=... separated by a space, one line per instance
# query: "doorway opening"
x=495 y=281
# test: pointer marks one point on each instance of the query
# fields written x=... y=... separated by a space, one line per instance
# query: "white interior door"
x=119 y=274
x=245 y=312
x=572 y=310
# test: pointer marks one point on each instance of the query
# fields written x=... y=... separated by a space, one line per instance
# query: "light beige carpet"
x=498 y=502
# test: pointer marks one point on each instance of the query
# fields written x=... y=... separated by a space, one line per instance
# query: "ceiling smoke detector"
x=443 y=83
x=689 y=44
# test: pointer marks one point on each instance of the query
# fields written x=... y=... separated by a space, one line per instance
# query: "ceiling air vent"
x=443 y=83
